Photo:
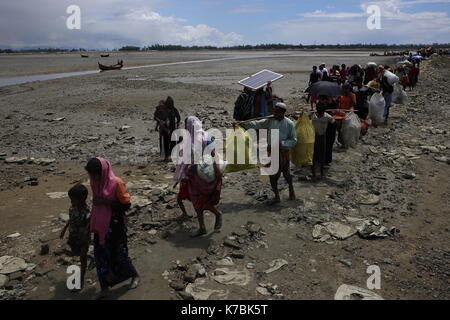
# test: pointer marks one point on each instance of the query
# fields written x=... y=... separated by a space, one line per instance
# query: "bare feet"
x=135 y=282
x=103 y=294
x=200 y=232
x=274 y=201
x=218 y=224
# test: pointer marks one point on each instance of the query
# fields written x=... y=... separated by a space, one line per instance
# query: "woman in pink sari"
x=204 y=195
x=110 y=202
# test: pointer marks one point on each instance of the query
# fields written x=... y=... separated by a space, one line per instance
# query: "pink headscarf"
x=199 y=141
x=104 y=188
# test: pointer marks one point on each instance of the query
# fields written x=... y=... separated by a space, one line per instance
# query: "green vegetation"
x=273 y=46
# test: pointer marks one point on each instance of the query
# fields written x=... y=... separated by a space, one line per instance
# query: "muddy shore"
x=397 y=175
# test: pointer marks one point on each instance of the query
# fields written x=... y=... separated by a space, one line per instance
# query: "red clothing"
x=183 y=193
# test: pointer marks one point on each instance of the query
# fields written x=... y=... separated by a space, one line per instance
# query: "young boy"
x=78 y=225
x=320 y=121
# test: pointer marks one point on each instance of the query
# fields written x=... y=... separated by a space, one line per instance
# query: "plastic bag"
x=206 y=170
x=232 y=143
x=376 y=107
x=351 y=130
x=302 y=153
x=399 y=95
x=391 y=78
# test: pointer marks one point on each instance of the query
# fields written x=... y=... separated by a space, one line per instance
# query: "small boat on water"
x=84 y=56
x=117 y=66
x=104 y=55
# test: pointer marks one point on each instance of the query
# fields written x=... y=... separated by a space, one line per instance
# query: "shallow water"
x=7 y=81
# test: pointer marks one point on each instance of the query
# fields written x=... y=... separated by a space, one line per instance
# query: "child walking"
x=78 y=225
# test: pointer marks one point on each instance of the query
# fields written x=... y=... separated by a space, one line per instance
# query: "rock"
x=443 y=159
x=345 y=262
x=44 y=161
x=18 y=275
x=253 y=227
x=123 y=128
x=263 y=291
x=201 y=271
x=17 y=160
x=58 y=119
x=232 y=244
x=190 y=275
x=323 y=232
x=13 y=235
x=430 y=149
x=275 y=265
x=45 y=249
x=34 y=183
x=177 y=285
x=153 y=232
x=387 y=261
x=225 y=262
x=250 y=265
x=347 y=292
x=409 y=176
x=237 y=255
x=185 y=296
x=9 y=264
x=57 y=195
x=4 y=279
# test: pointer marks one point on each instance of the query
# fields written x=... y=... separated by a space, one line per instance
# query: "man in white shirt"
x=288 y=140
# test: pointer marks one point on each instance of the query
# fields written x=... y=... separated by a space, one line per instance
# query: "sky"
x=109 y=24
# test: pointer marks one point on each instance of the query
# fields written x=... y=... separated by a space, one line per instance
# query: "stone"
x=409 y=176
x=185 y=296
x=9 y=264
x=57 y=195
x=4 y=279
x=190 y=275
x=232 y=244
x=17 y=160
x=153 y=232
x=45 y=249
x=237 y=255
x=345 y=262
x=177 y=285
x=44 y=161
x=13 y=235
x=253 y=227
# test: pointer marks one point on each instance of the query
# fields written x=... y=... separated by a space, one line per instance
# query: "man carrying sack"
x=287 y=140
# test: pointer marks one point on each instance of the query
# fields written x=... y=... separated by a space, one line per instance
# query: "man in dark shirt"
x=387 y=90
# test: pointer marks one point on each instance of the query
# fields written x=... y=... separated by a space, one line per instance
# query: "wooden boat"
x=117 y=66
x=104 y=55
x=84 y=56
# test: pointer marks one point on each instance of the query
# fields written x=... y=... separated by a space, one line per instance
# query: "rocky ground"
x=384 y=203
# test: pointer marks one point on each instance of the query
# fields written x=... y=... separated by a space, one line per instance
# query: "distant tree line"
x=273 y=46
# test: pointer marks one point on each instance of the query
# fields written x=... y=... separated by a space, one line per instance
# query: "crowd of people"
x=104 y=224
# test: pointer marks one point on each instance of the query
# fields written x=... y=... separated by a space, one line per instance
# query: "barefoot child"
x=78 y=225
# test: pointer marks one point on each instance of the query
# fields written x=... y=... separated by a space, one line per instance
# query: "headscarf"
x=104 y=188
x=199 y=141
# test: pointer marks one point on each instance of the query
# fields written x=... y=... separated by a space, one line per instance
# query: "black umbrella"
x=326 y=88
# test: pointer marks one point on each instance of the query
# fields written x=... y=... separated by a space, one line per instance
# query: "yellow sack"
x=232 y=142
x=302 y=153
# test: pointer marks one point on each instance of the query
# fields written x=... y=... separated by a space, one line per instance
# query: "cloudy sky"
x=108 y=24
